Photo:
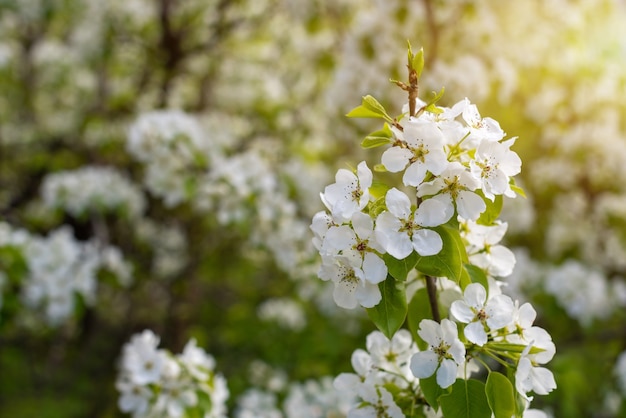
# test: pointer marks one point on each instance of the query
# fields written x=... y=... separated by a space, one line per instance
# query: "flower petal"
x=475 y=333
x=469 y=205
x=396 y=158
x=424 y=364
x=427 y=242
x=398 y=203
x=374 y=268
x=446 y=375
x=462 y=312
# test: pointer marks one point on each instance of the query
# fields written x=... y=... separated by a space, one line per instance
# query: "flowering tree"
x=397 y=254
x=161 y=160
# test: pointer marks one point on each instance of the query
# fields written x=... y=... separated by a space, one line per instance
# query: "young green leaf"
x=400 y=269
x=419 y=308
x=363 y=112
x=500 y=395
x=378 y=138
x=467 y=400
x=518 y=190
x=417 y=62
x=489 y=216
x=390 y=313
x=370 y=103
x=477 y=275
x=432 y=391
x=378 y=189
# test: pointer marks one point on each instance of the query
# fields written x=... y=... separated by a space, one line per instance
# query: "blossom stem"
x=431 y=287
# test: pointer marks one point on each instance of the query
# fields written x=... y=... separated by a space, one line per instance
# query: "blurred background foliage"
x=215 y=225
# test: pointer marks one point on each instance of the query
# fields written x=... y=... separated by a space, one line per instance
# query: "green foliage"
x=419 y=309
x=432 y=391
x=489 y=216
x=369 y=108
x=399 y=269
x=466 y=400
x=390 y=313
x=500 y=395
x=476 y=275
x=378 y=138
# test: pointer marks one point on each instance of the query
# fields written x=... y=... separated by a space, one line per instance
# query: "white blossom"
x=350 y=192
x=455 y=188
x=400 y=230
x=446 y=352
x=420 y=146
x=478 y=312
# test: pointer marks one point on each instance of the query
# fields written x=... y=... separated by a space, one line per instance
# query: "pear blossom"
x=153 y=382
x=175 y=397
x=377 y=403
x=494 y=164
x=142 y=359
x=197 y=362
x=421 y=147
x=529 y=378
x=393 y=355
x=446 y=352
x=362 y=364
x=400 y=230
x=358 y=244
x=134 y=398
x=522 y=331
x=351 y=287
x=483 y=249
x=350 y=192
x=455 y=187
x=480 y=128
x=478 y=312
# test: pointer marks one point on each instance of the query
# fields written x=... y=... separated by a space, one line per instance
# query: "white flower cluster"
x=60 y=269
x=449 y=160
x=174 y=148
x=498 y=319
x=385 y=361
x=91 y=190
x=153 y=382
x=398 y=362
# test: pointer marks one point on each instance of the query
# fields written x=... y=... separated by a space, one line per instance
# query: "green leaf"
x=370 y=103
x=433 y=109
x=377 y=207
x=449 y=262
x=378 y=138
x=379 y=168
x=417 y=62
x=400 y=269
x=489 y=216
x=477 y=275
x=518 y=190
x=419 y=308
x=465 y=279
x=363 y=112
x=378 y=189
x=390 y=313
x=435 y=96
x=500 y=395
x=432 y=391
x=467 y=400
